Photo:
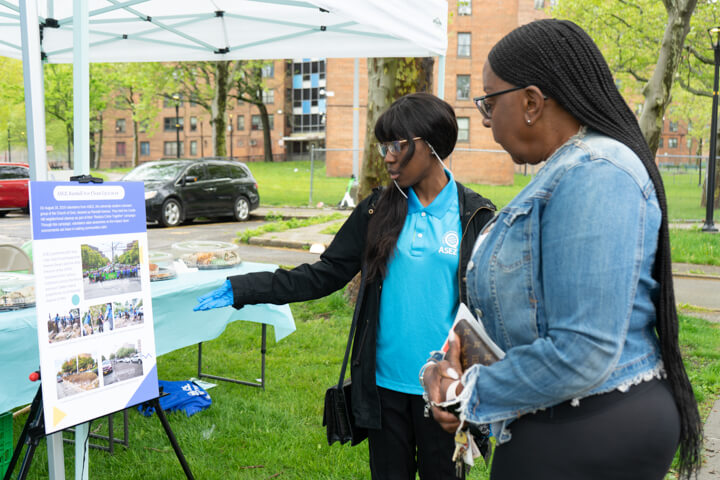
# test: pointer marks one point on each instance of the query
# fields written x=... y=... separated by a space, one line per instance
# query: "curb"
x=698 y=276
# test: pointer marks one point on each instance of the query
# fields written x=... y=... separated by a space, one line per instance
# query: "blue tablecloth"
x=176 y=326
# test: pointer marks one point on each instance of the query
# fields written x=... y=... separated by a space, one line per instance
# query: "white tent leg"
x=356 y=118
x=81 y=88
x=34 y=90
x=441 y=77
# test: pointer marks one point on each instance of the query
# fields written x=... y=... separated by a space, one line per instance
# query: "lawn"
x=249 y=433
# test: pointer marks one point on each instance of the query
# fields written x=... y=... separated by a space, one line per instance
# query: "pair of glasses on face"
x=393 y=147
x=484 y=107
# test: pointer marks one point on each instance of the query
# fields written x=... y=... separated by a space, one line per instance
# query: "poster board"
x=93 y=300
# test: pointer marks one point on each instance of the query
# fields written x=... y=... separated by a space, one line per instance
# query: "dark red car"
x=14 y=179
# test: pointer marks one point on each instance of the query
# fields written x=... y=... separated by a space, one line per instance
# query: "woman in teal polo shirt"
x=410 y=240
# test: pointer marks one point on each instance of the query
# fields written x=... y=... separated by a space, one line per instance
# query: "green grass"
x=279 y=225
x=249 y=433
x=684 y=196
x=288 y=183
x=695 y=246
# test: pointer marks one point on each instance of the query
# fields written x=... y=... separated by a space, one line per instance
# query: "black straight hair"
x=414 y=115
x=561 y=59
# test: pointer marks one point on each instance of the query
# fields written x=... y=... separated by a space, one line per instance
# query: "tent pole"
x=441 y=77
x=81 y=89
x=34 y=90
x=356 y=117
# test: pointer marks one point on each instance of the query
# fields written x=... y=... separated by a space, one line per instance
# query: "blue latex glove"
x=222 y=297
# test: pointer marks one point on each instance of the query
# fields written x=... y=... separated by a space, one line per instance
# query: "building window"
x=144 y=148
x=661 y=142
x=253 y=142
x=170 y=122
x=673 y=126
x=463 y=129
x=463 y=44
x=268 y=71
x=256 y=122
x=170 y=149
x=463 y=87
x=193 y=148
x=193 y=124
x=268 y=96
x=144 y=125
x=464 y=7
x=120 y=125
x=239 y=143
x=539 y=4
x=672 y=142
x=120 y=149
x=241 y=122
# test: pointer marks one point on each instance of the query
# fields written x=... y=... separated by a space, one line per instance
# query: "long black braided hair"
x=561 y=59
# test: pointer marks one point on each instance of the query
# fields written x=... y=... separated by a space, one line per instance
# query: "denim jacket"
x=563 y=284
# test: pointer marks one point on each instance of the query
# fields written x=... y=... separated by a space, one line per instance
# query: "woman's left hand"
x=438 y=378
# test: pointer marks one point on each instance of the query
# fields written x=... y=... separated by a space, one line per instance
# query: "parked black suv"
x=178 y=190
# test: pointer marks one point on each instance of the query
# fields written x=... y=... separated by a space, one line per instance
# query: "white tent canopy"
x=83 y=31
x=183 y=30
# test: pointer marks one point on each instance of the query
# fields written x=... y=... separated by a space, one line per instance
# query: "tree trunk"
x=382 y=73
x=219 y=105
x=657 y=90
x=267 y=138
x=70 y=134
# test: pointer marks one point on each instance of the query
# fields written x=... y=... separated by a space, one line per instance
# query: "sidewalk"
x=695 y=285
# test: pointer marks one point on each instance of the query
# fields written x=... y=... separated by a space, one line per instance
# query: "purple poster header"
x=71 y=209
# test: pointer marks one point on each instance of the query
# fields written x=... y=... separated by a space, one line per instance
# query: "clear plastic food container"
x=207 y=255
x=161 y=266
x=17 y=290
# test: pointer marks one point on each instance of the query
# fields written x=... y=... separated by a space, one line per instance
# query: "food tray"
x=207 y=255
x=161 y=266
x=17 y=290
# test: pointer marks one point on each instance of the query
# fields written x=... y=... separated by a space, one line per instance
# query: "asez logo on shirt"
x=450 y=242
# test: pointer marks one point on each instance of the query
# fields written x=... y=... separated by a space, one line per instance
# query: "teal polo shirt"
x=420 y=293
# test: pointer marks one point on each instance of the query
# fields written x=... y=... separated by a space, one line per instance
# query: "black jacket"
x=337 y=266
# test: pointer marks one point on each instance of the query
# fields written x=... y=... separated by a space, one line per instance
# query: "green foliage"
x=131 y=256
x=91 y=258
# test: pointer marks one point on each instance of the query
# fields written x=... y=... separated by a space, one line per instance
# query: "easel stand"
x=34 y=431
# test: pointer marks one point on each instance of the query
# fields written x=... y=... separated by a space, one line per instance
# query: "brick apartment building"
x=310 y=103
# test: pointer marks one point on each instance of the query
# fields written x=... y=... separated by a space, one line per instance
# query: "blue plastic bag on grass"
x=183 y=395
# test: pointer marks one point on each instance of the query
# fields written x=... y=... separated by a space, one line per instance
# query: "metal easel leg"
x=263 y=349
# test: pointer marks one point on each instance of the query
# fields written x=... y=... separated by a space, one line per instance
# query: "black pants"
x=408 y=442
x=619 y=436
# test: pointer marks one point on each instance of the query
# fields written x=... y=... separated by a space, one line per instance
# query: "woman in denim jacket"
x=572 y=280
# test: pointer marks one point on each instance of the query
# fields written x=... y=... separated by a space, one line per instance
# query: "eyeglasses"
x=393 y=147
x=486 y=109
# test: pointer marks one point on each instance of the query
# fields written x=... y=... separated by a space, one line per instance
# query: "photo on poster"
x=128 y=313
x=122 y=362
x=110 y=268
x=76 y=374
x=64 y=325
x=101 y=318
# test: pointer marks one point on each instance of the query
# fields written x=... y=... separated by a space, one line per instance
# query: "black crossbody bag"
x=338 y=417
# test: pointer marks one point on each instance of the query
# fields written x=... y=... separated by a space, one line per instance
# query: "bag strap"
x=375 y=194
x=347 y=350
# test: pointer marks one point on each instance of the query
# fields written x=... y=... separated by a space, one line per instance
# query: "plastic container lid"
x=207 y=255
x=161 y=258
x=10 y=282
